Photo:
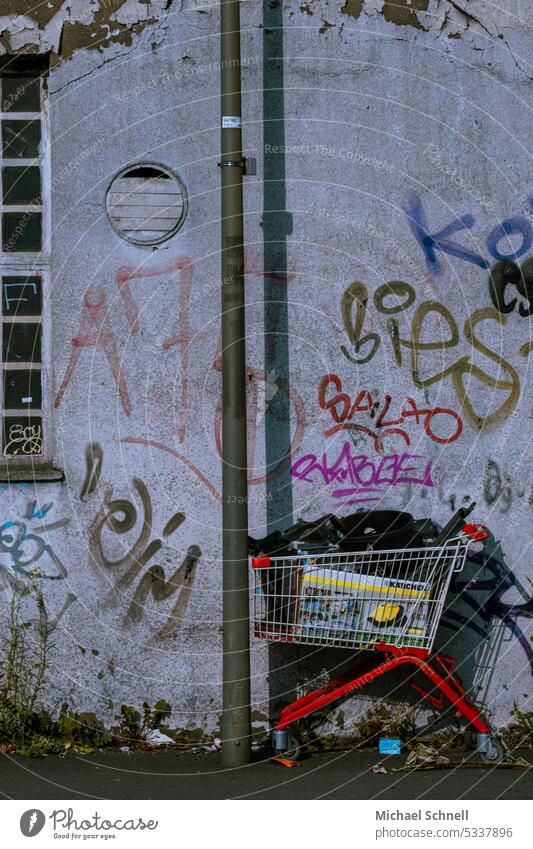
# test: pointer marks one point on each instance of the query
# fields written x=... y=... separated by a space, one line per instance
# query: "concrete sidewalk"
x=182 y=775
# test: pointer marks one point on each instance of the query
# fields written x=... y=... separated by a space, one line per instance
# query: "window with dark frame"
x=23 y=267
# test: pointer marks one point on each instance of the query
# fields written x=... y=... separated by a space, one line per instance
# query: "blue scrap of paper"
x=390 y=747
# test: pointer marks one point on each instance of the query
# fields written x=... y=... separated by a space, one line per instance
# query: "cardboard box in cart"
x=338 y=605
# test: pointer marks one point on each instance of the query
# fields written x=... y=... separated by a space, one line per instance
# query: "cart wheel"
x=496 y=753
x=470 y=738
x=294 y=744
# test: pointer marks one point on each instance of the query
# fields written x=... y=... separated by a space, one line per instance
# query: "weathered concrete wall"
x=403 y=157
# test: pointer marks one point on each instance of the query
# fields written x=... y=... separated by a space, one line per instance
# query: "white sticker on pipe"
x=27 y=400
x=231 y=122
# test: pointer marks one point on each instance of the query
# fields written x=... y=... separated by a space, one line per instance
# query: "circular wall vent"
x=146 y=203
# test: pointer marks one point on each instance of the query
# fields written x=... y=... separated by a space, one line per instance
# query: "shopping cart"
x=386 y=601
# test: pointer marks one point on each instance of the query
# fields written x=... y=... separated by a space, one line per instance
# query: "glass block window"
x=22 y=364
x=24 y=265
x=21 y=134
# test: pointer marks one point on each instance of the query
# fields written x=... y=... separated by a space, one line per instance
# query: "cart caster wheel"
x=294 y=745
x=470 y=739
x=495 y=754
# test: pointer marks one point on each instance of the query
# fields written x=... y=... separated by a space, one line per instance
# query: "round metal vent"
x=146 y=203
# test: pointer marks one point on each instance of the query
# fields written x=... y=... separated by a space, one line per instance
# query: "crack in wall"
x=459 y=21
x=464 y=19
x=450 y=19
x=62 y=27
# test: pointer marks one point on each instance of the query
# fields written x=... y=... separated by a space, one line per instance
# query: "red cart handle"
x=476 y=532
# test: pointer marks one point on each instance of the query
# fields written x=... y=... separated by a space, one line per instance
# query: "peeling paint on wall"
x=97 y=35
x=403 y=12
x=60 y=27
x=63 y=27
x=399 y=12
x=353 y=8
x=453 y=19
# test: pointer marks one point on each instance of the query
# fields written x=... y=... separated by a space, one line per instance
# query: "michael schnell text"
x=395 y=816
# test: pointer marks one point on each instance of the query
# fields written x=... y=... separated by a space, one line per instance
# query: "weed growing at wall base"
x=29 y=729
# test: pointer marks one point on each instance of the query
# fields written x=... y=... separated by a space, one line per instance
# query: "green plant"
x=27 y=646
x=24 y=655
x=25 y=726
x=82 y=730
x=390 y=720
x=135 y=726
x=519 y=732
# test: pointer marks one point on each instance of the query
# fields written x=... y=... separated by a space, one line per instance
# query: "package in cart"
x=335 y=605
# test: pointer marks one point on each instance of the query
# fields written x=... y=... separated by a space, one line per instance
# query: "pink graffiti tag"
x=369 y=479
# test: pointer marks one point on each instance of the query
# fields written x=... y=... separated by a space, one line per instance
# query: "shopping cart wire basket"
x=386 y=601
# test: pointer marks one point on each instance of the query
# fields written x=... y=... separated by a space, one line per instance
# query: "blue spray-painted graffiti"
x=500 y=580
x=34 y=512
x=26 y=553
x=510 y=227
x=433 y=243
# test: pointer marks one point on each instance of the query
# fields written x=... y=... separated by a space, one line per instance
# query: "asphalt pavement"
x=172 y=774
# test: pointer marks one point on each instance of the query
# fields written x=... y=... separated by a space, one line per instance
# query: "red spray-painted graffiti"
x=95 y=332
x=150 y=443
x=343 y=410
x=186 y=334
x=257 y=378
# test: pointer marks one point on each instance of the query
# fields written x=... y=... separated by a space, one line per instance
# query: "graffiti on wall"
x=26 y=553
x=186 y=334
x=493 y=579
x=439 y=424
x=119 y=516
x=95 y=332
x=432 y=328
x=414 y=331
x=366 y=479
x=499 y=489
x=94 y=458
x=363 y=479
x=500 y=242
x=261 y=388
x=23 y=439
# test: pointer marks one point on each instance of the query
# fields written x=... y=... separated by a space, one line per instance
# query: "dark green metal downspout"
x=277 y=225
